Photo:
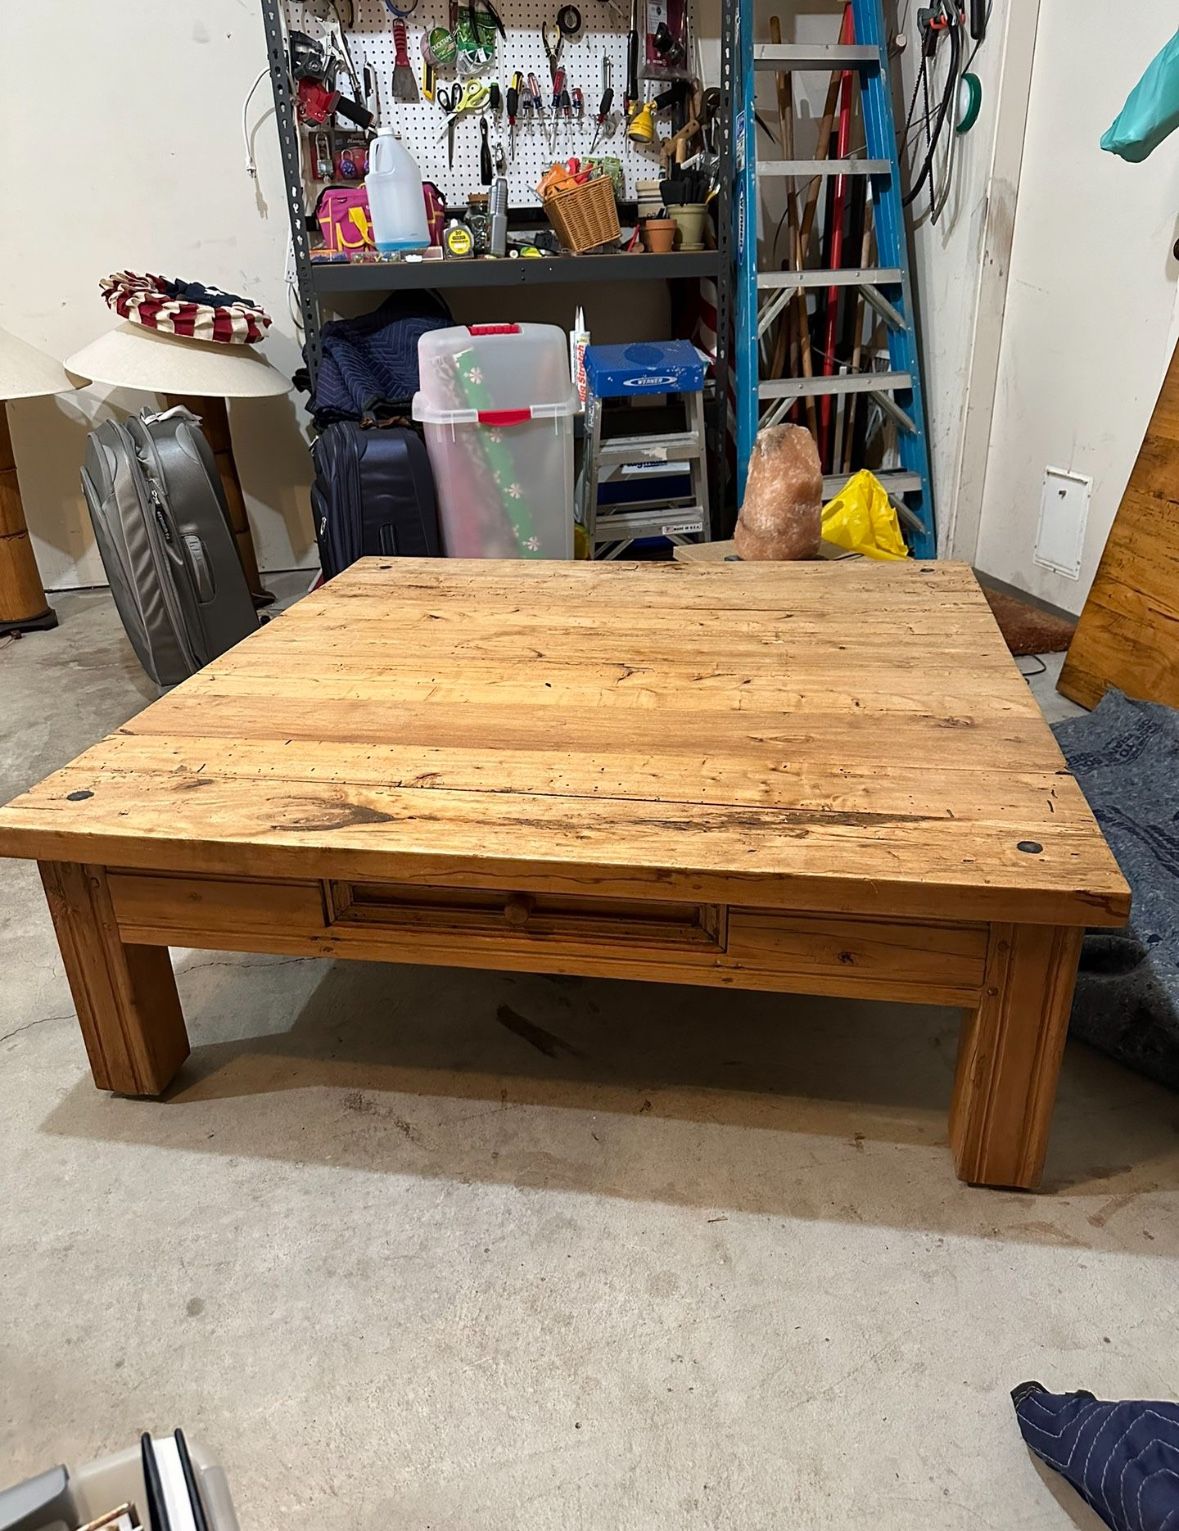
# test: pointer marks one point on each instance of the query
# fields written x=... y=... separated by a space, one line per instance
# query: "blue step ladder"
x=761 y=296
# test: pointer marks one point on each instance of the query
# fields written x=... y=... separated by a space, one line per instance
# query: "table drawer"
x=497 y=915
x=408 y=922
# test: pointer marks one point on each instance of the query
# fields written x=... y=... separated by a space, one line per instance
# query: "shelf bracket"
x=288 y=142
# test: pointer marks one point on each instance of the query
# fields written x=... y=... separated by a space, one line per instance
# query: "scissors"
x=456 y=100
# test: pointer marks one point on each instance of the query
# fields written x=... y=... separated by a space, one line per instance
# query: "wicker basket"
x=585 y=216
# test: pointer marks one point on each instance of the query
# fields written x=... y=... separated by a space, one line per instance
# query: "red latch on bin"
x=504 y=416
x=493 y=329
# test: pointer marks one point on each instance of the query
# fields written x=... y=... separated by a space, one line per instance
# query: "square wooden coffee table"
x=817 y=778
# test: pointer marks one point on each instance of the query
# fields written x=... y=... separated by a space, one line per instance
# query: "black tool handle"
x=632 y=68
x=354 y=112
x=484 y=154
x=605 y=104
x=513 y=103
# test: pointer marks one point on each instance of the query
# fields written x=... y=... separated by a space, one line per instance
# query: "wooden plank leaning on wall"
x=1128 y=635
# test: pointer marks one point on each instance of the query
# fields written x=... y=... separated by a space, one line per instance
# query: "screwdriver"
x=513 y=112
x=536 y=106
x=605 y=106
x=562 y=103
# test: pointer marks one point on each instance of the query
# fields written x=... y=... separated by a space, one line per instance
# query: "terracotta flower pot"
x=658 y=235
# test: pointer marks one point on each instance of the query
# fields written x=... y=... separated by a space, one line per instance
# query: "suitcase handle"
x=202 y=570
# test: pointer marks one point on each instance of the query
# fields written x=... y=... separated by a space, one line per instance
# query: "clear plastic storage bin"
x=498 y=406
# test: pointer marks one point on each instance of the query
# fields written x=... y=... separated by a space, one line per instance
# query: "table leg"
x=125 y=996
x=1010 y=1053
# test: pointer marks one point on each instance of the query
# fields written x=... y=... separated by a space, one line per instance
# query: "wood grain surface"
x=926 y=963
x=1128 y=634
x=124 y=994
x=843 y=738
x=22 y=595
x=1009 y=1055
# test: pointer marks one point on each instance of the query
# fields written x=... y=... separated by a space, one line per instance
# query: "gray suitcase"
x=163 y=531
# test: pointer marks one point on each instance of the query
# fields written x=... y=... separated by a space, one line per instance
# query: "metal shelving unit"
x=317 y=282
x=335 y=277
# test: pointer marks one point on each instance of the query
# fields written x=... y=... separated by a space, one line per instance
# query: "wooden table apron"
x=350 y=873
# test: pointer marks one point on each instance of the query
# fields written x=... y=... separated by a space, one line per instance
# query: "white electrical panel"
x=1064 y=510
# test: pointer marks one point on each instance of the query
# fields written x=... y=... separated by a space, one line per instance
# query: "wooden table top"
x=842 y=737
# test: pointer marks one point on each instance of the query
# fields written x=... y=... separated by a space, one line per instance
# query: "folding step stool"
x=671 y=367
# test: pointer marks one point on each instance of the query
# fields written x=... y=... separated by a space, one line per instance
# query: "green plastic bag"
x=861 y=519
x=1151 y=110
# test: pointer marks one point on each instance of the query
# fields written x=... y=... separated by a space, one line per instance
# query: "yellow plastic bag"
x=861 y=519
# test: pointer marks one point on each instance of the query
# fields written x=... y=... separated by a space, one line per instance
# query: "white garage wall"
x=960 y=265
x=1091 y=314
x=140 y=165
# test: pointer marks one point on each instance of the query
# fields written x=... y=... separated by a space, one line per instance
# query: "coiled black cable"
x=949 y=96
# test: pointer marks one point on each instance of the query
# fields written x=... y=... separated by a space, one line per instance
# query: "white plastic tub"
x=498 y=404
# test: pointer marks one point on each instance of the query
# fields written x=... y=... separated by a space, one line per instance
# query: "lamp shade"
x=130 y=356
x=26 y=373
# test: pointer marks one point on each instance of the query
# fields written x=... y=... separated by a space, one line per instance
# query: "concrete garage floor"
x=413 y=1248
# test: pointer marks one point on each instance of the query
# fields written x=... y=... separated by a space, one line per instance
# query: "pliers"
x=553 y=40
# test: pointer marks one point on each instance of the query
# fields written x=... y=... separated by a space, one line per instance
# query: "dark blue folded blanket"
x=369 y=366
x=1125 y=755
x=1122 y=1458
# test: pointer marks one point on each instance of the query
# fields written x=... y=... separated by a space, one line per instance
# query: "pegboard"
x=605 y=25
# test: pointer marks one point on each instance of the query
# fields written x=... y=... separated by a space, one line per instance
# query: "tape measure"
x=969 y=102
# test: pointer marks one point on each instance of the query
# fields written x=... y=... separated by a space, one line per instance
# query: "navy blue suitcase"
x=373 y=496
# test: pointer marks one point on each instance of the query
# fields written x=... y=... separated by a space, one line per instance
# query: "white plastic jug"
x=395 y=203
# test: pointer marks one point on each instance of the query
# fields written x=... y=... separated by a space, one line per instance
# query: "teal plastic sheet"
x=1151 y=110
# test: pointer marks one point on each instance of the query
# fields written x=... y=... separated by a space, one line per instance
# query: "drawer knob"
x=518 y=908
